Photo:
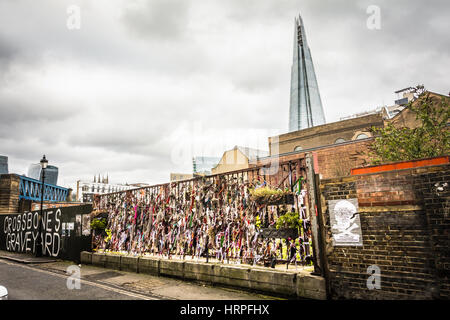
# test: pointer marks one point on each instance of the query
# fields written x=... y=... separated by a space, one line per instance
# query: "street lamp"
x=38 y=251
x=44 y=163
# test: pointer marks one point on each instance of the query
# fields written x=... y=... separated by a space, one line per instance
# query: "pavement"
x=43 y=279
x=24 y=257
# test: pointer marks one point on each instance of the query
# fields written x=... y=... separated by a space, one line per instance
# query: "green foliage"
x=267 y=195
x=430 y=139
x=265 y=191
x=99 y=224
x=108 y=235
x=288 y=220
x=258 y=222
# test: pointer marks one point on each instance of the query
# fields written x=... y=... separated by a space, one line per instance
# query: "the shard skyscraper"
x=305 y=105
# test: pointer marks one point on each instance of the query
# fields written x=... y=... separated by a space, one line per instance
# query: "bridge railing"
x=30 y=189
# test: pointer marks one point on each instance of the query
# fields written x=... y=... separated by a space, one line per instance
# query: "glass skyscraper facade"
x=204 y=164
x=51 y=173
x=3 y=164
x=305 y=104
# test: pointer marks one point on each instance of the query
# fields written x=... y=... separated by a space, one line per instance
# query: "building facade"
x=203 y=165
x=51 y=173
x=180 y=176
x=350 y=128
x=327 y=134
x=3 y=165
x=87 y=189
x=340 y=146
x=238 y=158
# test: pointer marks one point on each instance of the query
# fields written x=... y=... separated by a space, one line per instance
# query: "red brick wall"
x=47 y=205
x=332 y=161
x=337 y=161
x=405 y=228
x=390 y=188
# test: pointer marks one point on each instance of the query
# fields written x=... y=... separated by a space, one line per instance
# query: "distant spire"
x=95 y=179
x=305 y=109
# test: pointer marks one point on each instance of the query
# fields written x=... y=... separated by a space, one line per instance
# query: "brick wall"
x=47 y=205
x=404 y=224
x=434 y=188
x=9 y=193
x=337 y=161
x=330 y=161
x=325 y=134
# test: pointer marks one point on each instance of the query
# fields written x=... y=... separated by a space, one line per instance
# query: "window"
x=339 y=140
x=298 y=148
x=361 y=136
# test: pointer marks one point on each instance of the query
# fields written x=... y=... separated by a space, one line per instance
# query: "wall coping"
x=426 y=162
x=300 y=283
x=356 y=177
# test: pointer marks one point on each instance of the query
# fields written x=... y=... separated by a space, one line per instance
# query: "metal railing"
x=30 y=189
x=139 y=219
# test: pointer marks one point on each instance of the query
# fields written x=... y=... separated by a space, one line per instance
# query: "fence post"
x=313 y=213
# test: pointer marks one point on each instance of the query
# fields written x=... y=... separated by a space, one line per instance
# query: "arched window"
x=298 y=148
x=339 y=140
x=361 y=136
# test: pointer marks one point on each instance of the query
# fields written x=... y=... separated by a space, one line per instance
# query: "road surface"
x=48 y=281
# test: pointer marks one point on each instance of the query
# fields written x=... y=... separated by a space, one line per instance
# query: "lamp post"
x=38 y=251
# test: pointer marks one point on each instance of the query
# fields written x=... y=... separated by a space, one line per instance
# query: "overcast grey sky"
x=143 y=85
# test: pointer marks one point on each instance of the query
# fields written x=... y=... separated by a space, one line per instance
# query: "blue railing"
x=30 y=189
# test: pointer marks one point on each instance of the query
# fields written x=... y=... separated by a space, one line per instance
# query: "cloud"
x=141 y=79
x=7 y=53
x=162 y=20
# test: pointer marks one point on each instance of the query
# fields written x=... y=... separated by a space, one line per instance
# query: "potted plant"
x=99 y=225
x=269 y=196
x=289 y=222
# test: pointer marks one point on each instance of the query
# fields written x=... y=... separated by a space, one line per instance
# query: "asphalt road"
x=48 y=281
x=26 y=282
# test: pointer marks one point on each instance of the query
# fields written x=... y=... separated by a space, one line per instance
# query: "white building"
x=87 y=189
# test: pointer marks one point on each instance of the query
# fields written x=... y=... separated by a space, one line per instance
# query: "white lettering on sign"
x=21 y=232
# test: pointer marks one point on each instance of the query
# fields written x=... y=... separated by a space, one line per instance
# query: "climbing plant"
x=288 y=220
x=431 y=138
x=99 y=224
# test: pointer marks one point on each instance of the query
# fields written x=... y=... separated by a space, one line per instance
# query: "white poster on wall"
x=345 y=222
x=86 y=225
